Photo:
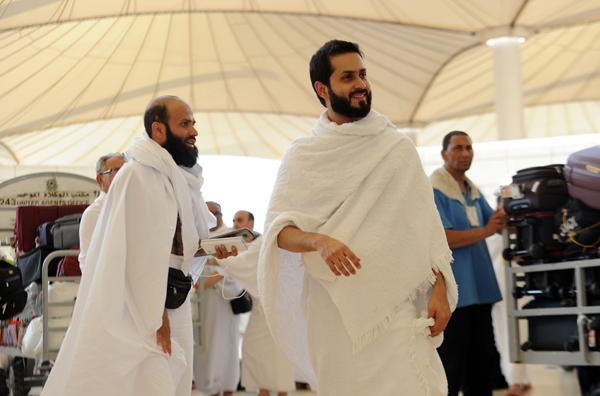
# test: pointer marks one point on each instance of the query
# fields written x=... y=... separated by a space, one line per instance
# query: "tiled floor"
x=546 y=381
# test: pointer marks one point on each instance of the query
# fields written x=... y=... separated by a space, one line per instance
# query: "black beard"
x=342 y=105
x=181 y=153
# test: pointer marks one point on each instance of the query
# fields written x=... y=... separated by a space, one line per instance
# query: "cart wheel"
x=16 y=377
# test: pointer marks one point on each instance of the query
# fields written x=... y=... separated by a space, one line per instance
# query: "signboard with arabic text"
x=48 y=188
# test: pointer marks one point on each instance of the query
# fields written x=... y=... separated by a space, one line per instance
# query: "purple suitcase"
x=582 y=173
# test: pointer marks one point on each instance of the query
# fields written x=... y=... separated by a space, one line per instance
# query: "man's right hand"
x=163 y=334
x=340 y=259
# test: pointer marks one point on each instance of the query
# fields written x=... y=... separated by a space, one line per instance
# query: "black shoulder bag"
x=242 y=303
x=178 y=287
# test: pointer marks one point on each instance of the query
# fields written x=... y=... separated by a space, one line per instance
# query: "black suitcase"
x=65 y=231
x=540 y=188
x=557 y=285
x=30 y=264
x=13 y=296
x=532 y=238
x=582 y=174
x=44 y=233
x=556 y=333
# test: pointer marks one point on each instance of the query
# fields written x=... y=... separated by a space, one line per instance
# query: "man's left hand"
x=221 y=252
x=438 y=307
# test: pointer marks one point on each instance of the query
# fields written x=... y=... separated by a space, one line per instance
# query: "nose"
x=361 y=84
x=194 y=132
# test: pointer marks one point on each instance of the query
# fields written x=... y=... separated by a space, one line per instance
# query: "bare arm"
x=295 y=240
x=340 y=259
x=458 y=239
x=210 y=281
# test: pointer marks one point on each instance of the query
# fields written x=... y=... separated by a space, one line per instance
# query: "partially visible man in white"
x=264 y=366
x=120 y=338
x=107 y=167
x=217 y=366
x=219 y=227
x=244 y=219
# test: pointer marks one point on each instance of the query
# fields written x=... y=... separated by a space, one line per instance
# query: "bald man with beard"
x=122 y=340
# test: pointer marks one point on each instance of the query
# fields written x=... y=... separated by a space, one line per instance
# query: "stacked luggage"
x=536 y=194
x=554 y=216
x=554 y=211
x=40 y=230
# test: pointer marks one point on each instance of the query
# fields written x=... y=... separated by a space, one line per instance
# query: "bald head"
x=243 y=219
x=158 y=111
x=169 y=121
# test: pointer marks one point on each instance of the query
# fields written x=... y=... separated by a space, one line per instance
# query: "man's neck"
x=459 y=176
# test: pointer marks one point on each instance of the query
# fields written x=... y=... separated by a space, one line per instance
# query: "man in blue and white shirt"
x=468 y=349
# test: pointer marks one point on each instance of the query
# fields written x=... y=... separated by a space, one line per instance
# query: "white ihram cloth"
x=363 y=184
x=217 y=365
x=110 y=347
x=264 y=365
x=87 y=225
x=180 y=319
x=203 y=218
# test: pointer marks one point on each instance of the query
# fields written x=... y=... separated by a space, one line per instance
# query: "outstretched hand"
x=340 y=259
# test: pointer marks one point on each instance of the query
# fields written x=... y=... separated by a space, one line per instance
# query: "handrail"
x=45 y=280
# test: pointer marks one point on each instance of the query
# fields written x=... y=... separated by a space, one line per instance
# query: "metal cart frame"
x=48 y=354
x=582 y=357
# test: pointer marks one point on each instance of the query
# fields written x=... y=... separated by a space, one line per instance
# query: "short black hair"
x=320 y=64
x=250 y=216
x=446 y=141
x=156 y=112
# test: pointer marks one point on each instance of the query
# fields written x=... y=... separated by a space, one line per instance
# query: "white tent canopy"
x=243 y=66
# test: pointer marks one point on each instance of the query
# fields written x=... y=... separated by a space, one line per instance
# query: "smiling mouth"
x=190 y=142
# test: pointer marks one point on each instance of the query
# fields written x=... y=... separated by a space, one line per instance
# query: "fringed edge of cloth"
x=441 y=264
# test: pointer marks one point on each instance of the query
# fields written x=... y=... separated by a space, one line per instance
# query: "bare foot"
x=518 y=389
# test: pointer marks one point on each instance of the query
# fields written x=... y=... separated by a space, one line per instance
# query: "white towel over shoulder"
x=363 y=184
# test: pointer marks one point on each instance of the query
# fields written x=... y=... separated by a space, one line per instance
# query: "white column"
x=508 y=87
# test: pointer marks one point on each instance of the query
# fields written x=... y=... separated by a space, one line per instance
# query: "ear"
x=99 y=180
x=321 y=90
x=159 y=133
x=444 y=154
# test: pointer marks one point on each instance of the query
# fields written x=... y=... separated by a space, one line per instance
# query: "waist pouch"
x=241 y=304
x=178 y=287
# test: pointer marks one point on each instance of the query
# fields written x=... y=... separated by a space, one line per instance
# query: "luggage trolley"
x=47 y=353
x=27 y=371
x=23 y=377
x=581 y=349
